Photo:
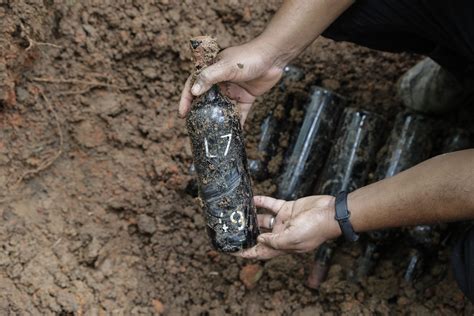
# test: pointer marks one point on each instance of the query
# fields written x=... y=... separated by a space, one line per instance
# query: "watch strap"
x=343 y=217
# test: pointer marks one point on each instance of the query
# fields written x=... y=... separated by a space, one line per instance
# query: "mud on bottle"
x=273 y=124
x=306 y=156
x=221 y=163
x=347 y=168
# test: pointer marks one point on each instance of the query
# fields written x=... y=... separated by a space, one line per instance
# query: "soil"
x=94 y=163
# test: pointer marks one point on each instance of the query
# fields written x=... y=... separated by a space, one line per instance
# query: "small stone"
x=247 y=15
x=213 y=255
x=22 y=94
x=91 y=252
x=89 y=30
x=146 y=224
x=158 y=306
x=250 y=274
x=150 y=73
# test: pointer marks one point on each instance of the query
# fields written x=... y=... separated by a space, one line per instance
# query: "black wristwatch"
x=342 y=217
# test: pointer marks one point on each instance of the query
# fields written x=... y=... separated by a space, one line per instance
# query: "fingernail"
x=196 y=89
x=260 y=239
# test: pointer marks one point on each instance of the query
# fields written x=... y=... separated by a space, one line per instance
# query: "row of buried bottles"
x=335 y=148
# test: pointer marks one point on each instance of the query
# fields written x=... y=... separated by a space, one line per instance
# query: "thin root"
x=32 y=42
x=77 y=81
x=74 y=92
x=48 y=162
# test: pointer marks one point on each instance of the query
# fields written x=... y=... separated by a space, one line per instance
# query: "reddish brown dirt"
x=94 y=162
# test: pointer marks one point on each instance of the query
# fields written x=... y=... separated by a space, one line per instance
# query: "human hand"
x=299 y=226
x=243 y=73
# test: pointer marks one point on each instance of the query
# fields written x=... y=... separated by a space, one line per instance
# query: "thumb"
x=218 y=72
x=276 y=241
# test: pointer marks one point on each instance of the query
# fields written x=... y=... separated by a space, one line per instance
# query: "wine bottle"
x=347 y=168
x=220 y=160
x=307 y=156
x=275 y=122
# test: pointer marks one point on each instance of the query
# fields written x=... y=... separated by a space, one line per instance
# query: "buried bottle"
x=414 y=266
x=409 y=143
x=365 y=263
x=458 y=139
x=320 y=267
x=221 y=163
x=351 y=158
x=273 y=123
x=306 y=156
x=348 y=166
x=426 y=238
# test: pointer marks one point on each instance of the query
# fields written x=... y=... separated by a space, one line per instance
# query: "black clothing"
x=462 y=259
x=440 y=29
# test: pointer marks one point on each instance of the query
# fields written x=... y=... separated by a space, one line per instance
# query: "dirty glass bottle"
x=458 y=139
x=220 y=160
x=347 y=168
x=353 y=154
x=320 y=267
x=427 y=238
x=274 y=123
x=410 y=142
x=307 y=155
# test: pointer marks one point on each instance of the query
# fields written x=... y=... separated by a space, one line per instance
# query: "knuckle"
x=294 y=242
x=204 y=77
x=275 y=243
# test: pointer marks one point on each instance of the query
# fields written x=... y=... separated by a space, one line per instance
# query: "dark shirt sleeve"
x=462 y=259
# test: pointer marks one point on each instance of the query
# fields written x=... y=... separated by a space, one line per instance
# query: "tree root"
x=80 y=82
x=32 y=43
x=48 y=162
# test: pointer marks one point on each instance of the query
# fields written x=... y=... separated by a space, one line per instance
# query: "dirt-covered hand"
x=242 y=72
x=299 y=226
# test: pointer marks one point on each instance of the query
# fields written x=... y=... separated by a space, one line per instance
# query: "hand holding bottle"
x=243 y=72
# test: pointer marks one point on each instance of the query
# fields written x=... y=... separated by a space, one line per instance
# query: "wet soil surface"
x=94 y=162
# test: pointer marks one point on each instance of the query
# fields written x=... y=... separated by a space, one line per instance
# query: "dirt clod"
x=146 y=224
x=250 y=275
x=158 y=306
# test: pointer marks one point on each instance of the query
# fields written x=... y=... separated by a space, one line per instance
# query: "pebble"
x=250 y=274
x=146 y=224
x=158 y=306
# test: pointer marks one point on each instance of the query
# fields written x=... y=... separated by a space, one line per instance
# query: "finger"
x=259 y=252
x=244 y=98
x=244 y=109
x=218 y=72
x=237 y=93
x=279 y=241
x=265 y=220
x=186 y=98
x=268 y=203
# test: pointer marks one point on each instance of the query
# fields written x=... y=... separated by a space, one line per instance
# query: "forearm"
x=438 y=190
x=298 y=23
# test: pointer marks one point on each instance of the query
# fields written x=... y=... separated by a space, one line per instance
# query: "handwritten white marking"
x=239 y=220
x=207 y=149
x=228 y=143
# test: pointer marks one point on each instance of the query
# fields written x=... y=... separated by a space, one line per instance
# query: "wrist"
x=275 y=54
x=333 y=229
